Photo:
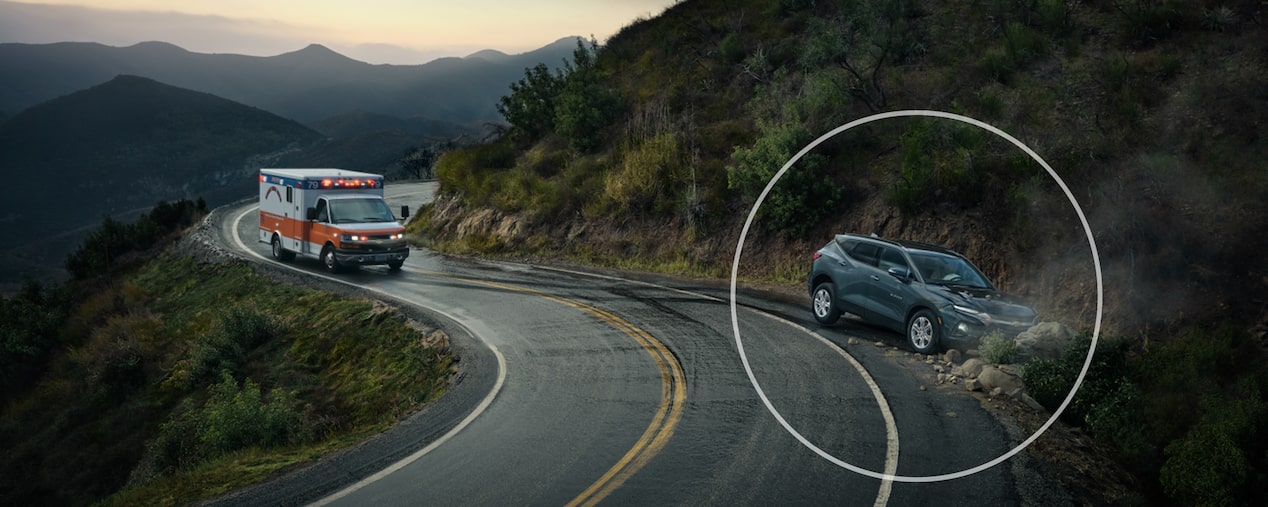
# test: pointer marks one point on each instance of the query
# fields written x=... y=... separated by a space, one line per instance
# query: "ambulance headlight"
x=398 y=236
x=353 y=237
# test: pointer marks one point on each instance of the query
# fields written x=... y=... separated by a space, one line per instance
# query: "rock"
x=952 y=356
x=970 y=368
x=942 y=378
x=939 y=368
x=929 y=360
x=922 y=388
x=852 y=341
x=1046 y=340
x=992 y=377
x=880 y=344
x=972 y=384
x=1030 y=402
x=996 y=392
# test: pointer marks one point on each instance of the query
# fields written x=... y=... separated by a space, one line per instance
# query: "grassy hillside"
x=160 y=379
x=650 y=153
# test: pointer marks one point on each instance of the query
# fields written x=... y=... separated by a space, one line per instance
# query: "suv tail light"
x=817 y=256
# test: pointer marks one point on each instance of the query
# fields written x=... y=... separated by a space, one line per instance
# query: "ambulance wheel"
x=328 y=259
x=395 y=265
x=280 y=253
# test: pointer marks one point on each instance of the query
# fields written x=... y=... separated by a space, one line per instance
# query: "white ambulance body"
x=337 y=216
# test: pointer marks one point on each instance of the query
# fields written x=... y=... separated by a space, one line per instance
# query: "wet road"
x=583 y=388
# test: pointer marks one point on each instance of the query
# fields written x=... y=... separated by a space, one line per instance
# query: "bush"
x=232 y=419
x=997 y=349
x=226 y=349
x=104 y=247
x=802 y=197
x=29 y=324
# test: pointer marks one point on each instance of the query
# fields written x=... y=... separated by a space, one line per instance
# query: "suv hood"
x=1000 y=306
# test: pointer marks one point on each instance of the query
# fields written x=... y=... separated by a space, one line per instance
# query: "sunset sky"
x=426 y=29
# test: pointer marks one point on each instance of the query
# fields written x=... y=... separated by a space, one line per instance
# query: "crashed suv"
x=934 y=296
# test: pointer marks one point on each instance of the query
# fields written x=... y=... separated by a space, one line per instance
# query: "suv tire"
x=922 y=332
x=823 y=302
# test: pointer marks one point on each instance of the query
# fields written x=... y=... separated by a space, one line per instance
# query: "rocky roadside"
x=1083 y=468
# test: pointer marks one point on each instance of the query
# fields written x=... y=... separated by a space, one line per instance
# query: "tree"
x=584 y=106
x=420 y=163
x=571 y=102
x=530 y=107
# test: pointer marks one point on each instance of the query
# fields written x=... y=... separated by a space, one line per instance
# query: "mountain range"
x=308 y=85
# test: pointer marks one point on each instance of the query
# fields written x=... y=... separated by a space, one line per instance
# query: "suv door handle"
x=876 y=278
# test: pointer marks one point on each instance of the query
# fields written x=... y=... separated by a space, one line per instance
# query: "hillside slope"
x=124 y=145
x=1151 y=113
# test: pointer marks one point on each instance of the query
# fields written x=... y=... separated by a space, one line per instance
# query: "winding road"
x=581 y=388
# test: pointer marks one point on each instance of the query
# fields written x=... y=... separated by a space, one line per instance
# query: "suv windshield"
x=353 y=211
x=942 y=269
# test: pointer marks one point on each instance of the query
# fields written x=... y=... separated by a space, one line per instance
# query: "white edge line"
x=484 y=404
x=891 y=427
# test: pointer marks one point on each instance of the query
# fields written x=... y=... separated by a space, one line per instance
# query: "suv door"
x=853 y=284
x=891 y=297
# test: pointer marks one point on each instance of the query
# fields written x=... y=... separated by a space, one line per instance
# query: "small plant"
x=998 y=349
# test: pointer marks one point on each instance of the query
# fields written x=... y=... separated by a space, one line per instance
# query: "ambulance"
x=336 y=216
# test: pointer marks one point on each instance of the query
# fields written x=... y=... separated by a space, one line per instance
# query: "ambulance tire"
x=395 y=265
x=280 y=253
x=328 y=259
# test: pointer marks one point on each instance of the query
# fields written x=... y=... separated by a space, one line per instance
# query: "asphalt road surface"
x=584 y=388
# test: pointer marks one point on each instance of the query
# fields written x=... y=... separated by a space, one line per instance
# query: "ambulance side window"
x=290 y=194
x=323 y=215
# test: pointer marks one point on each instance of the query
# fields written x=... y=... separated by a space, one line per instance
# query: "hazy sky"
x=426 y=28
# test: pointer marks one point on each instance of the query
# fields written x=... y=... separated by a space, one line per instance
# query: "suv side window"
x=864 y=253
x=892 y=258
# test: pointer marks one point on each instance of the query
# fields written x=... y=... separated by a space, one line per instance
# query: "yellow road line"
x=668 y=413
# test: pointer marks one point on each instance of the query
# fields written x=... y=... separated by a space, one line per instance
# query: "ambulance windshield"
x=359 y=211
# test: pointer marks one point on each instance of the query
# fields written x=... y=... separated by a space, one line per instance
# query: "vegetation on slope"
x=160 y=380
x=1150 y=112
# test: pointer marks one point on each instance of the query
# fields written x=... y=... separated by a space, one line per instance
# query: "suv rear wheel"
x=823 y=302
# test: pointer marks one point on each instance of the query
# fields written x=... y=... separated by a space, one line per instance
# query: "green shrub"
x=233 y=418
x=226 y=348
x=998 y=349
x=105 y=246
x=802 y=197
x=1206 y=467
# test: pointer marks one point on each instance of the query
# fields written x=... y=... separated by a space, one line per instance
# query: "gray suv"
x=933 y=295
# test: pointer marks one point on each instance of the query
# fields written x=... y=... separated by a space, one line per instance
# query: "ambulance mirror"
x=312 y=213
x=404 y=212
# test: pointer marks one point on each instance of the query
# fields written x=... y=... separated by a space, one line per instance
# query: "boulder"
x=1046 y=340
x=969 y=369
x=972 y=384
x=952 y=356
x=991 y=378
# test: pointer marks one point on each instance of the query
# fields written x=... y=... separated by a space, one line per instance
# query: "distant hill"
x=124 y=145
x=307 y=85
x=355 y=123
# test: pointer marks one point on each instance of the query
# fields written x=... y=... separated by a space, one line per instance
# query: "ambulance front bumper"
x=367 y=257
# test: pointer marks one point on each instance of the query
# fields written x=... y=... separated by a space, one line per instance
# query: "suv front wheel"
x=922 y=332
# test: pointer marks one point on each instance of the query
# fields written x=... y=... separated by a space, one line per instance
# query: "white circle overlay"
x=735 y=323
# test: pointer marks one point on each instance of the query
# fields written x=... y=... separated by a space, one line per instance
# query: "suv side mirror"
x=311 y=214
x=902 y=274
x=404 y=212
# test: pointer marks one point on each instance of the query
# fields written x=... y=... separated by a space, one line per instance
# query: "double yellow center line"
x=673 y=396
